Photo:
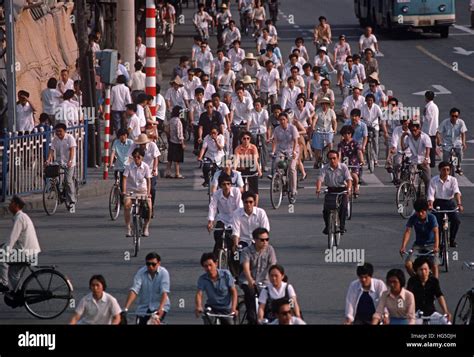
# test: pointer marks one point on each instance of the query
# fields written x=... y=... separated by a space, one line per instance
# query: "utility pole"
x=10 y=65
x=126 y=32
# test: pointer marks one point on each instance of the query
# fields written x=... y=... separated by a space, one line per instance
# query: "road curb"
x=93 y=188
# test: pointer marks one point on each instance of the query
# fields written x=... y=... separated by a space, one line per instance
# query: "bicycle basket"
x=52 y=171
x=283 y=164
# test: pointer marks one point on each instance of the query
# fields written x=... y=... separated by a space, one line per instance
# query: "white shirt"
x=219 y=65
x=230 y=36
x=151 y=153
x=68 y=113
x=396 y=136
x=97 y=312
x=259 y=121
x=177 y=97
x=208 y=91
x=242 y=110
x=268 y=80
x=287 y=70
x=63 y=87
x=418 y=147
x=160 y=107
x=197 y=108
x=190 y=86
x=324 y=62
x=23 y=234
x=304 y=115
x=61 y=149
x=134 y=124
x=430 y=119
x=138 y=81
x=120 y=97
x=443 y=190
x=368 y=42
x=226 y=79
x=350 y=103
x=213 y=151
x=294 y=321
x=136 y=177
x=274 y=294
x=451 y=134
x=243 y=224
x=51 y=99
x=141 y=116
x=371 y=116
x=204 y=61
x=377 y=287
x=224 y=110
x=236 y=56
x=24 y=117
x=141 y=53
x=224 y=205
x=288 y=97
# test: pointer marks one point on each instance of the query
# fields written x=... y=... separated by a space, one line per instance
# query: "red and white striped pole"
x=107 y=133
x=151 y=53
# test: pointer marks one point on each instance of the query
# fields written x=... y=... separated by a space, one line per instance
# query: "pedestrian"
x=50 y=98
x=138 y=81
x=429 y=124
x=151 y=285
x=176 y=143
x=119 y=98
x=25 y=119
x=97 y=307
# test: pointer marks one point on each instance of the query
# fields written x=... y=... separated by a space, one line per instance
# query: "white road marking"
x=439 y=88
x=463 y=181
x=197 y=182
x=449 y=66
x=462 y=51
x=370 y=180
x=464 y=28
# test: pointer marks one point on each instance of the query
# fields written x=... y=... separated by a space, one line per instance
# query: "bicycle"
x=139 y=212
x=54 y=191
x=409 y=191
x=45 y=292
x=432 y=320
x=242 y=308
x=280 y=181
x=464 y=313
x=453 y=160
x=258 y=143
x=245 y=20
x=115 y=197
x=323 y=158
x=215 y=319
x=444 y=238
x=334 y=229
x=404 y=170
x=168 y=37
x=245 y=178
x=350 y=201
x=371 y=155
x=223 y=252
x=213 y=167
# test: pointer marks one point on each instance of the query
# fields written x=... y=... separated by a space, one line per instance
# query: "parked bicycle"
x=409 y=191
x=139 y=212
x=334 y=224
x=464 y=313
x=444 y=236
x=280 y=181
x=115 y=197
x=54 y=191
x=45 y=292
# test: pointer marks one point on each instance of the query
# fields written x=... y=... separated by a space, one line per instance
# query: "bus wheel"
x=444 y=31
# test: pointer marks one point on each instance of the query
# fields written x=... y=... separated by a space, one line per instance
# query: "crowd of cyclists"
x=230 y=100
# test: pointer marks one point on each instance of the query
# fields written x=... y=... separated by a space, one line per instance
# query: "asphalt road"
x=89 y=243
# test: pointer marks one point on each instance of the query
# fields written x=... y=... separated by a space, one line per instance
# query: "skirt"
x=175 y=152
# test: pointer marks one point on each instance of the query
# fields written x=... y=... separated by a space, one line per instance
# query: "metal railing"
x=22 y=160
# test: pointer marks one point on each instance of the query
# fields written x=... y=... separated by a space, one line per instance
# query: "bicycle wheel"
x=332 y=229
x=222 y=261
x=76 y=186
x=136 y=236
x=242 y=313
x=464 y=310
x=163 y=146
x=445 y=250
x=406 y=196
x=46 y=293
x=50 y=197
x=370 y=158
x=276 y=190
x=337 y=230
x=350 y=205
x=114 y=203
x=421 y=192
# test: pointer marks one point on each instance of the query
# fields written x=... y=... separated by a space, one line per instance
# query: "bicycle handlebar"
x=437 y=210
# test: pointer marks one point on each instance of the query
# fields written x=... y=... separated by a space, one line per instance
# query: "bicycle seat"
x=19 y=264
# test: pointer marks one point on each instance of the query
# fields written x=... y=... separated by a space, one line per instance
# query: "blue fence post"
x=85 y=150
x=6 y=149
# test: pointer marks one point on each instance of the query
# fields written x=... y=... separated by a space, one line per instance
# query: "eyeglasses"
x=454 y=116
x=226 y=183
x=246 y=138
x=150 y=264
x=137 y=157
x=249 y=202
x=264 y=239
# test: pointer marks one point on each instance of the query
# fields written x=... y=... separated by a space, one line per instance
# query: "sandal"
x=168 y=176
x=179 y=177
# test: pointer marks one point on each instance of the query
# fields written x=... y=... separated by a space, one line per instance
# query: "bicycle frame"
x=209 y=314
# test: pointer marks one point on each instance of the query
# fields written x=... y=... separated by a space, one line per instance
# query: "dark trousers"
x=433 y=151
x=330 y=203
x=452 y=217
x=206 y=169
x=154 y=180
x=117 y=121
x=196 y=137
x=249 y=298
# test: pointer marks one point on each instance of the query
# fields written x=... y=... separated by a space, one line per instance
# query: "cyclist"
x=368 y=40
x=167 y=15
x=137 y=179
x=98 y=307
x=354 y=101
x=230 y=34
x=323 y=61
x=363 y=296
x=444 y=193
x=337 y=178
x=395 y=155
x=452 y=134
x=370 y=63
x=289 y=93
x=63 y=151
x=278 y=289
x=120 y=150
x=322 y=33
x=212 y=149
x=419 y=144
x=247 y=162
x=218 y=284
x=375 y=89
x=222 y=18
x=240 y=113
x=285 y=141
x=351 y=154
x=325 y=91
x=208 y=120
x=22 y=238
x=258 y=125
x=196 y=108
x=223 y=204
x=349 y=76
x=256 y=260
x=283 y=311
x=360 y=129
x=235 y=176
x=201 y=21
x=324 y=126
x=426 y=289
x=425 y=226
x=268 y=83
x=399 y=302
x=151 y=285
x=341 y=51
x=176 y=95
x=372 y=116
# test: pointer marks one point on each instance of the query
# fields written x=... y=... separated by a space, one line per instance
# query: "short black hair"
x=420 y=261
x=347 y=129
x=176 y=111
x=366 y=269
x=199 y=91
x=138 y=151
x=224 y=178
x=52 y=83
x=68 y=94
x=258 y=232
x=132 y=107
x=138 y=66
x=332 y=152
x=454 y=110
x=23 y=93
x=278 y=303
x=60 y=126
x=248 y=194
x=18 y=201
x=421 y=204
x=397 y=273
x=100 y=279
x=122 y=131
x=429 y=95
x=44 y=118
x=206 y=256
x=121 y=79
x=443 y=164
x=355 y=112
x=370 y=96
x=152 y=255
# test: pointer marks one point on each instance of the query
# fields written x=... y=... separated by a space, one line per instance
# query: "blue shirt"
x=360 y=131
x=424 y=234
x=121 y=153
x=149 y=291
x=218 y=292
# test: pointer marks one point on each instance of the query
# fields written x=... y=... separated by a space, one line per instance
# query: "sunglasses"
x=454 y=116
x=249 y=202
x=150 y=264
x=264 y=239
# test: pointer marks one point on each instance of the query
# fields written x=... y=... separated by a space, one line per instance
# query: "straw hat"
x=177 y=80
x=325 y=100
x=142 y=139
x=324 y=49
x=247 y=80
x=224 y=6
x=375 y=77
x=250 y=56
x=359 y=86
